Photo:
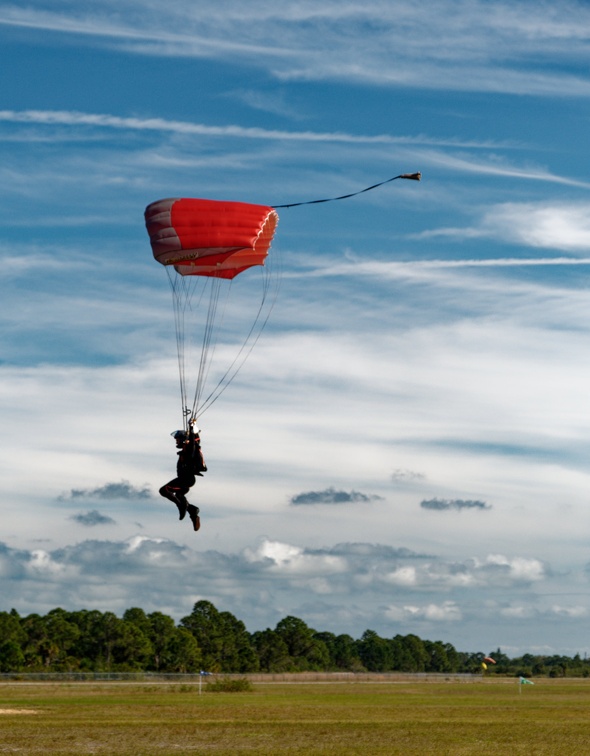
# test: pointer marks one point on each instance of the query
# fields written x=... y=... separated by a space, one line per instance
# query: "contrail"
x=492 y=263
x=76 y=118
x=383 y=267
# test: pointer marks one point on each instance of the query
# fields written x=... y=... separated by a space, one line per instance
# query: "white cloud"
x=518 y=612
x=278 y=553
x=542 y=225
x=43 y=564
x=538 y=225
x=106 y=121
x=495 y=166
x=405 y=576
x=293 y=560
x=262 y=583
x=404 y=477
x=520 y=568
x=448 y=611
x=135 y=543
x=464 y=45
x=528 y=612
x=573 y=612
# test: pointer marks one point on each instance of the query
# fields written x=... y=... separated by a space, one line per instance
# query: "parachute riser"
x=189 y=418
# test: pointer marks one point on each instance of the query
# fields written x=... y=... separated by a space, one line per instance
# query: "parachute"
x=207 y=242
x=209 y=237
x=204 y=244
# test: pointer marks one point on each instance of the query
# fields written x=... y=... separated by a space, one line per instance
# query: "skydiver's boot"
x=193 y=513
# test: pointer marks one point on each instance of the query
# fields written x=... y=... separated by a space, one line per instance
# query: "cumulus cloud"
x=92 y=518
x=520 y=569
x=295 y=559
x=401 y=475
x=332 y=496
x=573 y=612
x=110 y=491
x=448 y=611
x=342 y=588
x=526 y=612
x=552 y=226
x=441 y=505
x=402 y=576
x=374 y=551
x=540 y=225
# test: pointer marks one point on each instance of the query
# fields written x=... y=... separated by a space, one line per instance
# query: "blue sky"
x=407 y=447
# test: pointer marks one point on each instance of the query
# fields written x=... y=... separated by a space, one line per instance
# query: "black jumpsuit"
x=176 y=489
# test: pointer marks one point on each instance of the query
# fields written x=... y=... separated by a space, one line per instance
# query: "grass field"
x=396 y=717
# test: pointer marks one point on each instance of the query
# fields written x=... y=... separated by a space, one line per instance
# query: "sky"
x=407 y=447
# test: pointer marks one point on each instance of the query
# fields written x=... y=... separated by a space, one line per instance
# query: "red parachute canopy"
x=489 y=660
x=202 y=237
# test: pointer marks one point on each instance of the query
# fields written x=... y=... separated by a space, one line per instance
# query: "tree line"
x=216 y=641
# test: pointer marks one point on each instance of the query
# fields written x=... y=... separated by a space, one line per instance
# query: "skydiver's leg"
x=182 y=487
x=174 y=492
x=193 y=511
x=167 y=492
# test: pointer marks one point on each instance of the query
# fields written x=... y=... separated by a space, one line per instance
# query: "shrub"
x=227 y=685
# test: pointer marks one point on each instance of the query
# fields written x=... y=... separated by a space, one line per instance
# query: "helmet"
x=178 y=434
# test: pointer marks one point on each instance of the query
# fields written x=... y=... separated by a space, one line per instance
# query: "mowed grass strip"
x=487 y=717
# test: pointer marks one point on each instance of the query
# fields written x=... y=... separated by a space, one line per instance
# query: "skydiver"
x=190 y=463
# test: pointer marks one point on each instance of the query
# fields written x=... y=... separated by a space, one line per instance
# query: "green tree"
x=375 y=653
x=401 y=659
x=107 y=636
x=237 y=652
x=63 y=634
x=162 y=633
x=10 y=627
x=49 y=639
x=132 y=649
x=183 y=652
x=342 y=651
x=12 y=658
x=138 y=618
x=204 y=624
x=438 y=661
x=102 y=641
x=12 y=639
x=36 y=651
x=452 y=656
x=306 y=651
x=224 y=641
x=272 y=651
x=417 y=651
x=87 y=649
x=503 y=663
